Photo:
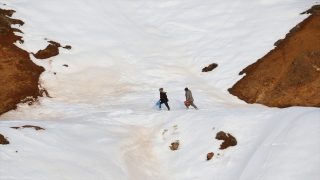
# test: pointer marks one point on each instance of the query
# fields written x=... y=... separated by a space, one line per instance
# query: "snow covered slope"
x=102 y=122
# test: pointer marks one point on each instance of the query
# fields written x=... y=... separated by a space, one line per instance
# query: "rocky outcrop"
x=209 y=156
x=19 y=76
x=175 y=145
x=288 y=75
x=228 y=140
x=51 y=50
x=3 y=140
x=210 y=67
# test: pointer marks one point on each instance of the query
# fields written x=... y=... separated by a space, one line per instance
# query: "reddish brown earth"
x=18 y=74
x=228 y=140
x=288 y=75
x=3 y=140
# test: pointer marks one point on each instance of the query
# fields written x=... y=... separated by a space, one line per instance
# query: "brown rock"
x=174 y=146
x=50 y=51
x=67 y=47
x=229 y=140
x=288 y=75
x=210 y=67
x=28 y=126
x=209 y=156
x=3 y=140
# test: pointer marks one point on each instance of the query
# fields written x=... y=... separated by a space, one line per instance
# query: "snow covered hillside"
x=102 y=122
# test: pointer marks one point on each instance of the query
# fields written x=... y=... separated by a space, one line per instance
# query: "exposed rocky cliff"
x=19 y=76
x=289 y=75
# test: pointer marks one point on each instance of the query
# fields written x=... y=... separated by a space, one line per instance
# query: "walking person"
x=190 y=98
x=163 y=99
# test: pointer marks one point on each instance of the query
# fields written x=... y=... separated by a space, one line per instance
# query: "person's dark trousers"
x=165 y=103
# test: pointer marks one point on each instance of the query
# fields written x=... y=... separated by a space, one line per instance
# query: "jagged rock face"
x=19 y=76
x=289 y=75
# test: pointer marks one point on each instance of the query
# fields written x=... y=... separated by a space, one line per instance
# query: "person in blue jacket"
x=163 y=99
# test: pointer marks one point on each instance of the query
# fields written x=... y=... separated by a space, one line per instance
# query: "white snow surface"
x=102 y=123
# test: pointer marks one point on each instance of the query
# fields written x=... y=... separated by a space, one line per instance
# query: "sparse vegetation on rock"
x=313 y=10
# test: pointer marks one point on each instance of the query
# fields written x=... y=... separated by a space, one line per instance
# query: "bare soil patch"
x=3 y=140
x=229 y=140
x=288 y=75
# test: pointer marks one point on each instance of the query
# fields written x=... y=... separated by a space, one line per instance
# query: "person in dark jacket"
x=163 y=99
x=190 y=98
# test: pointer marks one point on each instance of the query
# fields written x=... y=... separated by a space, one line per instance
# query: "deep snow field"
x=102 y=122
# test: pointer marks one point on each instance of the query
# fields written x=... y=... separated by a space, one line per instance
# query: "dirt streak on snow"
x=138 y=154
